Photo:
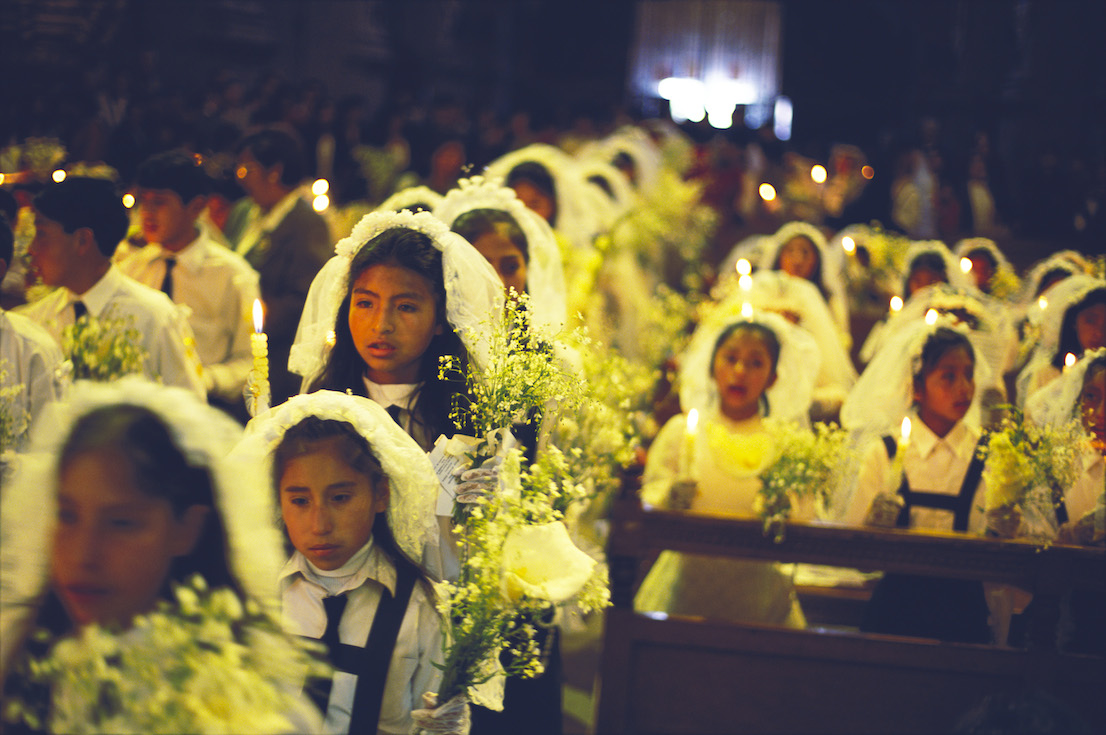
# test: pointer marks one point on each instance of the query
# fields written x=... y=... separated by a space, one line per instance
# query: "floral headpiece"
x=473 y=291
x=409 y=197
x=545 y=281
x=413 y=484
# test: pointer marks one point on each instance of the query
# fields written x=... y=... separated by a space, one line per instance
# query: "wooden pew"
x=690 y=675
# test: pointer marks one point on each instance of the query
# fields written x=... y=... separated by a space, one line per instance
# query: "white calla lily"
x=541 y=561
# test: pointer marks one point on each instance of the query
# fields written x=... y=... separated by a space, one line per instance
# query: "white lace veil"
x=473 y=292
x=621 y=199
x=637 y=144
x=884 y=393
x=831 y=259
x=205 y=435
x=409 y=197
x=956 y=276
x=1066 y=260
x=970 y=244
x=578 y=215
x=413 y=483
x=545 y=279
x=1058 y=402
x=790 y=396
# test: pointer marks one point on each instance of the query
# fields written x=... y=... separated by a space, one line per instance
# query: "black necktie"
x=167 y=282
x=79 y=310
x=319 y=689
x=393 y=411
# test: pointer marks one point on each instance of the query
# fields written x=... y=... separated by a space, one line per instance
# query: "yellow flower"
x=741 y=454
x=540 y=561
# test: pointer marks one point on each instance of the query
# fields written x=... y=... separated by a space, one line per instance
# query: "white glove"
x=682 y=494
x=884 y=511
x=479 y=483
x=452 y=718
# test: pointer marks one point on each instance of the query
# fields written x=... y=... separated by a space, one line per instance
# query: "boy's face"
x=54 y=252
x=167 y=220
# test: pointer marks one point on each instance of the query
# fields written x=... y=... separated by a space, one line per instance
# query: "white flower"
x=541 y=561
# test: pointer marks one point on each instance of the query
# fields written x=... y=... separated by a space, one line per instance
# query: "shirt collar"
x=392 y=394
x=191 y=256
x=376 y=567
x=97 y=298
x=924 y=441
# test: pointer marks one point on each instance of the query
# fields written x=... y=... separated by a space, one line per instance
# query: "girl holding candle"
x=741 y=374
x=929 y=373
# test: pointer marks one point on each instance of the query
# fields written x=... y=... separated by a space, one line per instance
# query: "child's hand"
x=884 y=511
x=478 y=484
x=1078 y=533
x=452 y=718
x=682 y=494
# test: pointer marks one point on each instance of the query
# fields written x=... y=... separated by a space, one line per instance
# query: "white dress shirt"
x=29 y=357
x=419 y=643
x=166 y=337
x=932 y=464
x=218 y=287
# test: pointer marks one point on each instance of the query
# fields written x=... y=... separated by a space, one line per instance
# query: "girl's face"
x=982 y=271
x=946 y=392
x=505 y=257
x=328 y=506
x=1090 y=327
x=921 y=277
x=743 y=369
x=535 y=199
x=799 y=258
x=114 y=543
x=1092 y=406
x=393 y=315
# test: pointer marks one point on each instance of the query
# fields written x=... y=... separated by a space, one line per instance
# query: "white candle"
x=259 y=348
x=1069 y=361
x=897 y=468
x=687 y=450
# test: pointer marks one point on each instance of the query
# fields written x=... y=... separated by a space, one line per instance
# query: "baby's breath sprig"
x=805 y=470
x=103 y=348
x=15 y=420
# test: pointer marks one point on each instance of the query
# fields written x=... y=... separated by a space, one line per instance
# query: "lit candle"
x=1042 y=303
x=966 y=265
x=259 y=348
x=745 y=282
x=1069 y=361
x=746 y=310
x=744 y=267
x=897 y=463
x=931 y=317
x=849 y=244
x=896 y=304
x=687 y=450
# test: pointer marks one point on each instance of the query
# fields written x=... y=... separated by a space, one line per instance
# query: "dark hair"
x=984 y=253
x=475 y=223
x=816 y=276
x=602 y=182
x=539 y=177
x=344 y=369
x=1069 y=336
x=928 y=261
x=80 y=202
x=177 y=171
x=272 y=146
x=354 y=449
x=771 y=341
x=7 y=242
x=936 y=346
x=162 y=470
x=1053 y=276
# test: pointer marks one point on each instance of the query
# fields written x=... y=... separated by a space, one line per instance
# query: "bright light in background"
x=686 y=98
x=745 y=282
x=849 y=244
x=756 y=115
x=867 y=172
x=747 y=310
x=320 y=187
x=931 y=317
x=58 y=176
x=818 y=173
x=896 y=304
x=966 y=265
x=692 y=99
x=128 y=200
x=744 y=267
x=767 y=192
x=320 y=203
x=783 y=118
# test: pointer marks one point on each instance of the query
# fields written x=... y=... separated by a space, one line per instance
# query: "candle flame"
x=1069 y=360
x=818 y=174
x=744 y=267
x=931 y=317
x=747 y=310
x=966 y=265
x=1043 y=303
x=767 y=192
x=849 y=244
x=320 y=187
x=905 y=433
x=745 y=282
x=692 y=420
x=258 y=316
x=896 y=303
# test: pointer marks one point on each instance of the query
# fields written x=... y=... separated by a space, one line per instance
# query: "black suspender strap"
x=376 y=657
x=960 y=505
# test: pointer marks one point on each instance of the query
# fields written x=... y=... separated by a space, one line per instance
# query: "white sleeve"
x=872 y=479
x=663 y=463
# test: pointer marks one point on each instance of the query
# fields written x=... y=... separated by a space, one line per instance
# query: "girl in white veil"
x=823 y=266
x=124 y=495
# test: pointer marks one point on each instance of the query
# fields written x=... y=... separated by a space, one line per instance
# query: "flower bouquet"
x=1029 y=466
x=14 y=418
x=806 y=469
x=204 y=663
x=104 y=348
